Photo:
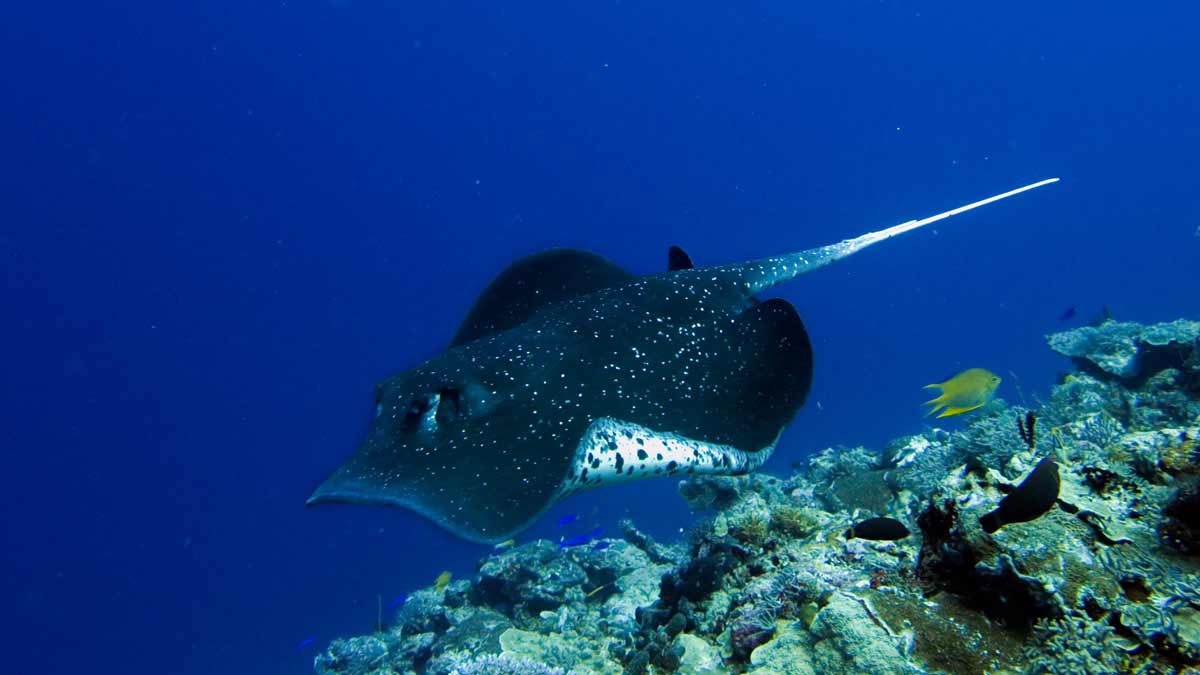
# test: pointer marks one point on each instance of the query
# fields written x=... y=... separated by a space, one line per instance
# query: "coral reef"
x=1107 y=581
x=1130 y=351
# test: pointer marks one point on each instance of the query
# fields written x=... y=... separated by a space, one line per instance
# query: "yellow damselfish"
x=964 y=392
x=442 y=581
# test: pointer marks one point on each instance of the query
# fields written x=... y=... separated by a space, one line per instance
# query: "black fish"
x=678 y=259
x=1067 y=315
x=570 y=373
x=878 y=529
x=1032 y=498
x=1102 y=318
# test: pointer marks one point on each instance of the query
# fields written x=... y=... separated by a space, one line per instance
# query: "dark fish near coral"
x=1032 y=498
x=878 y=529
x=678 y=259
x=1067 y=315
x=571 y=373
x=1102 y=318
x=601 y=545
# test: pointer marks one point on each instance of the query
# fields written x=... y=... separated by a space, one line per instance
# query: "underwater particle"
x=878 y=529
x=969 y=390
x=442 y=581
x=1032 y=498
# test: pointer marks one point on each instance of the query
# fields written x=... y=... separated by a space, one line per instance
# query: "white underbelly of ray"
x=615 y=451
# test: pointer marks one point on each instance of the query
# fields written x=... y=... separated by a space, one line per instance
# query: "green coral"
x=793 y=522
x=750 y=529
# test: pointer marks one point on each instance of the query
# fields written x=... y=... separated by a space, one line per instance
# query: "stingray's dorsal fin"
x=534 y=283
x=678 y=259
x=758 y=275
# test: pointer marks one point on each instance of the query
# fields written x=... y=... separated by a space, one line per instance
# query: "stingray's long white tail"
x=762 y=274
x=859 y=243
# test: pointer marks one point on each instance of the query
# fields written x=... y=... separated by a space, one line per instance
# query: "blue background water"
x=223 y=222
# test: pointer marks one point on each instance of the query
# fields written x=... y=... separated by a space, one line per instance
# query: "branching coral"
x=1071 y=646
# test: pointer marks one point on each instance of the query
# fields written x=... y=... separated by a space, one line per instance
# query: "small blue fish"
x=601 y=545
x=1067 y=315
x=306 y=642
x=397 y=601
x=568 y=519
x=581 y=539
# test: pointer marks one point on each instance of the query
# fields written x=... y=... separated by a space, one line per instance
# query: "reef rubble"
x=1106 y=582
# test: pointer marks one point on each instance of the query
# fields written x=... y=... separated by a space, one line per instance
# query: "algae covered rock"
x=637 y=588
x=787 y=654
x=848 y=638
x=699 y=657
x=568 y=652
x=528 y=579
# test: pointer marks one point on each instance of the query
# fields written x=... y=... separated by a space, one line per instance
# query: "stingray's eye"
x=414 y=414
x=451 y=406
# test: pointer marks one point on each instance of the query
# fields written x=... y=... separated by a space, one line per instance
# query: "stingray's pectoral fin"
x=772 y=373
x=777 y=363
x=485 y=507
x=760 y=275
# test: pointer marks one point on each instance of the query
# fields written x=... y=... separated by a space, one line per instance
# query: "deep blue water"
x=223 y=222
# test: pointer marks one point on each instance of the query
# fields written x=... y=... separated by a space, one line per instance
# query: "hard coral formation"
x=1106 y=581
x=1129 y=351
x=492 y=664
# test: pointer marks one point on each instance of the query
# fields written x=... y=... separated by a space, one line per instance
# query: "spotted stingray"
x=570 y=373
